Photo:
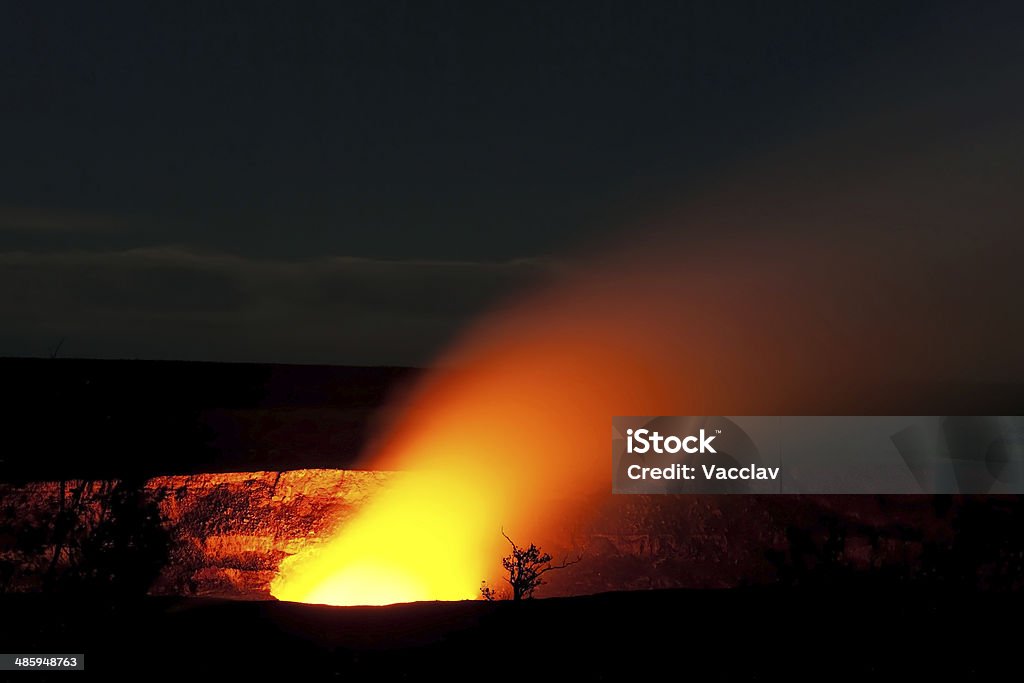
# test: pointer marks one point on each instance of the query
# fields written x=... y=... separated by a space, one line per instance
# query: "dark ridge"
x=70 y=418
x=77 y=418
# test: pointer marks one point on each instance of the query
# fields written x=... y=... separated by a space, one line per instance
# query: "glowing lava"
x=419 y=540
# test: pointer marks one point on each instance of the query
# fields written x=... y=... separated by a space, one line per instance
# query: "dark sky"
x=350 y=182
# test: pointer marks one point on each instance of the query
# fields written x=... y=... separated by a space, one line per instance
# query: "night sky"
x=351 y=182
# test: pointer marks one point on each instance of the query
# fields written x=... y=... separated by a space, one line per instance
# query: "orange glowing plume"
x=519 y=424
x=519 y=427
x=721 y=321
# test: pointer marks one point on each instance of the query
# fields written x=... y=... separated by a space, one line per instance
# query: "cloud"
x=178 y=303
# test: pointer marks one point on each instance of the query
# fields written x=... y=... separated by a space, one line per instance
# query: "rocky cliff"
x=222 y=534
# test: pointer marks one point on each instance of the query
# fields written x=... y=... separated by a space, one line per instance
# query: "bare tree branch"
x=525 y=567
x=565 y=563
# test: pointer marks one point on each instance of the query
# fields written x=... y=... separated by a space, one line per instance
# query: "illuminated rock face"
x=224 y=533
x=230 y=531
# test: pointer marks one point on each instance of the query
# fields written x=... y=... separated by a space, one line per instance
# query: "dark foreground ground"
x=853 y=633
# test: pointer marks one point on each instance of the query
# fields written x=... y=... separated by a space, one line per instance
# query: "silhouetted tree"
x=526 y=567
x=121 y=553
